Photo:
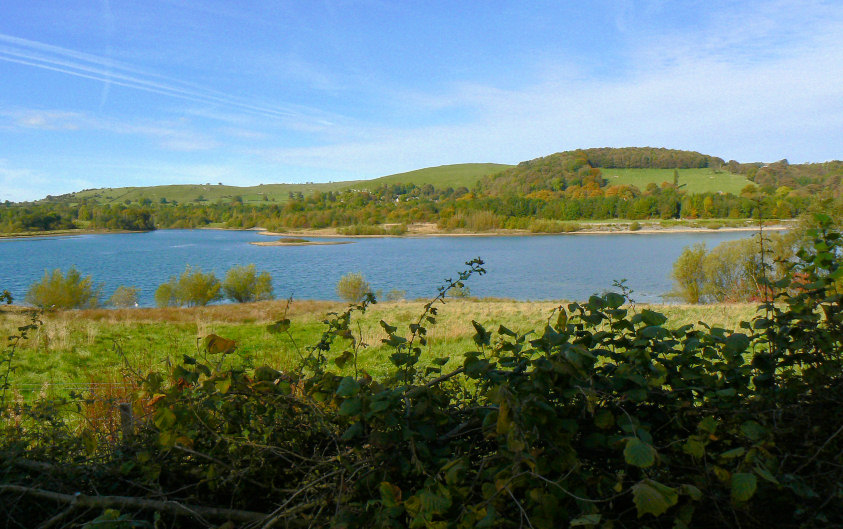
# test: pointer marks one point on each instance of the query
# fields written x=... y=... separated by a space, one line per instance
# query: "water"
x=525 y=268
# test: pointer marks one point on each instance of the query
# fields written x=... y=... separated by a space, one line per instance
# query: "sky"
x=113 y=93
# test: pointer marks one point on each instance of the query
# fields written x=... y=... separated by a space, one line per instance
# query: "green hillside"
x=695 y=180
x=440 y=177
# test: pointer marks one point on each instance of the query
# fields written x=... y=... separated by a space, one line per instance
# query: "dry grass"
x=77 y=347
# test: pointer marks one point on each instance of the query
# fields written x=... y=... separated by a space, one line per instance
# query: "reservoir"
x=547 y=267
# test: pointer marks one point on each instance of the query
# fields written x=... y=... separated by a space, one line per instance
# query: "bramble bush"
x=607 y=417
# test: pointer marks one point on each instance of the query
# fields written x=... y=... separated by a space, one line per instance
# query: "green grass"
x=695 y=180
x=76 y=348
x=440 y=177
x=444 y=176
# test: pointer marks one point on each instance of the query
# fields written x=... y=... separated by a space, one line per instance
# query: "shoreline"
x=430 y=230
x=422 y=230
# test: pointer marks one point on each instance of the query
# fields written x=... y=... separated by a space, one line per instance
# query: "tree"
x=165 y=295
x=192 y=288
x=732 y=271
x=353 y=287
x=70 y=291
x=124 y=297
x=243 y=284
x=689 y=274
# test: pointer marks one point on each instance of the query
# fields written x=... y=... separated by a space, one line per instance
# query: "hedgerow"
x=607 y=417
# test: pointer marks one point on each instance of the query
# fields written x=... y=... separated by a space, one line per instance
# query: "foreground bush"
x=243 y=284
x=606 y=417
x=64 y=291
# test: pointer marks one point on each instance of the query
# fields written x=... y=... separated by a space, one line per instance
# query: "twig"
x=130 y=502
x=817 y=453
x=59 y=517
x=412 y=392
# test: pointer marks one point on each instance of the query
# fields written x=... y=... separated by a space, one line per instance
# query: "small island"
x=295 y=241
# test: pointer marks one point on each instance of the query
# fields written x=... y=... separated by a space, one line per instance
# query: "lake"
x=525 y=268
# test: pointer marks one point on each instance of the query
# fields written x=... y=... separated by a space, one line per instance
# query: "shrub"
x=635 y=226
x=243 y=284
x=395 y=295
x=124 y=297
x=689 y=274
x=192 y=288
x=373 y=229
x=71 y=291
x=353 y=287
x=460 y=290
x=165 y=295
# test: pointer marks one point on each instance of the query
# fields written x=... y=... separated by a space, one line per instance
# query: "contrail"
x=89 y=66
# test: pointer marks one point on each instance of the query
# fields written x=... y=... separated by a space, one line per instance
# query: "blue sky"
x=107 y=93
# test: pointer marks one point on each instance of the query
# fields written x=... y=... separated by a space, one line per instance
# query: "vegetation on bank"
x=651 y=184
x=605 y=415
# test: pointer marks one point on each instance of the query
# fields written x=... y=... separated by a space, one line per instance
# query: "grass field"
x=74 y=349
x=695 y=180
x=440 y=177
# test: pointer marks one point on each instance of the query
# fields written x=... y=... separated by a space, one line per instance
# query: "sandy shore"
x=609 y=228
x=430 y=229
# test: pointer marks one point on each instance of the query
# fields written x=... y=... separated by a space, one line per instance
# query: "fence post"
x=127 y=420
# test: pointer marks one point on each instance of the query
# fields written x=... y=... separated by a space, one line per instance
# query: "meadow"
x=704 y=180
x=440 y=177
x=83 y=349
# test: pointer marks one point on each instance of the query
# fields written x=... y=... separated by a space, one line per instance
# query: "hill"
x=458 y=175
x=603 y=167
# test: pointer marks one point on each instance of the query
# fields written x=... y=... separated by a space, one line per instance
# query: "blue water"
x=526 y=268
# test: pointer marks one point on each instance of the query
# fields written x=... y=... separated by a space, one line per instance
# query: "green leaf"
x=604 y=419
x=708 y=425
x=387 y=327
x=694 y=447
x=733 y=453
x=223 y=384
x=639 y=453
x=343 y=359
x=753 y=430
x=586 y=520
x=279 y=326
x=353 y=431
x=653 y=318
x=766 y=474
x=743 y=486
x=390 y=494
x=482 y=336
x=614 y=300
x=651 y=497
x=348 y=387
x=689 y=490
x=164 y=418
x=351 y=407
x=737 y=343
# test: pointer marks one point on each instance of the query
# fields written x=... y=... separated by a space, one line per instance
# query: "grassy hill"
x=695 y=180
x=440 y=177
